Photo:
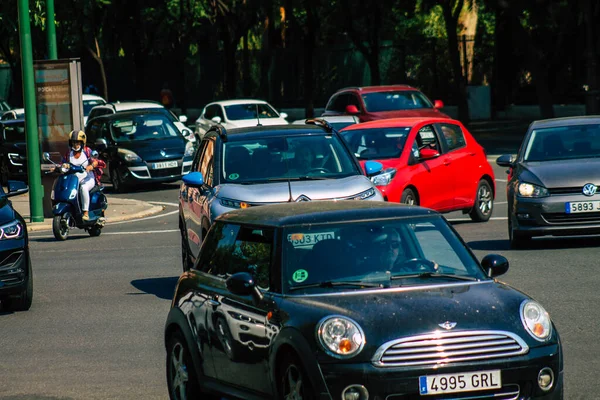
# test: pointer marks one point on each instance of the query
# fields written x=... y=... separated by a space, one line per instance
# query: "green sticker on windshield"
x=300 y=275
x=233 y=177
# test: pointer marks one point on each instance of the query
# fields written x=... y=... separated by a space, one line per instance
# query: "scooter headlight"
x=73 y=194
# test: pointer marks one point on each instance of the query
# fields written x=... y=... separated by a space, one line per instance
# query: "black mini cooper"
x=353 y=301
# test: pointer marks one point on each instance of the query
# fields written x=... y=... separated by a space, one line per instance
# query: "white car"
x=90 y=101
x=115 y=107
x=15 y=113
x=238 y=114
x=336 y=121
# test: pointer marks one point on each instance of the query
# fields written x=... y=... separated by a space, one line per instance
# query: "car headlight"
x=129 y=155
x=531 y=190
x=189 y=149
x=233 y=203
x=340 y=336
x=363 y=195
x=536 y=320
x=384 y=178
x=13 y=230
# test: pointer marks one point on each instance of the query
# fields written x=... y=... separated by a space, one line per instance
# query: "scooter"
x=66 y=206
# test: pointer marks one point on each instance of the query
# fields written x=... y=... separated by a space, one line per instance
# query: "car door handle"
x=213 y=302
x=447 y=161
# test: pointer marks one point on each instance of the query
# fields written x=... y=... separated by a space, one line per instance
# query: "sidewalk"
x=118 y=210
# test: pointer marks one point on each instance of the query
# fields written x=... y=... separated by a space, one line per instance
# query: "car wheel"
x=484 y=202
x=117 y=181
x=409 y=197
x=22 y=302
x=95 y=231
x=182 y=379
x=60 y=227
x=518 y=240
x=293 y=381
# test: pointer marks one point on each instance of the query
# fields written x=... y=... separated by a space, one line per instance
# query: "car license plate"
x=463 y=382
x=165 y=164
x=582 y=206
x=308 y=239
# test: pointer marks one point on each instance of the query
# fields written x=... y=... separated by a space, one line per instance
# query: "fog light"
x=546 y=379
x=523 y=216
x=355 y=392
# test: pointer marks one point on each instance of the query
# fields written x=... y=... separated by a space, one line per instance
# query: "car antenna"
x=257 y=117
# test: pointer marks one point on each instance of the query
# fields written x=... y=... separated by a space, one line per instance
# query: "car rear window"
x=395 y=101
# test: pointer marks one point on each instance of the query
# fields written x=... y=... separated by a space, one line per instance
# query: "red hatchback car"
x=371 y=103
x=431 y=162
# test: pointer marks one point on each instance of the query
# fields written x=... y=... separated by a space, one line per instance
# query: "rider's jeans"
x=85 y=187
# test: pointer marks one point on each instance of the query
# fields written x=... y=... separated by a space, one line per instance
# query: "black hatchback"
x=139 y=147
x=13 y=153
x=353 y=301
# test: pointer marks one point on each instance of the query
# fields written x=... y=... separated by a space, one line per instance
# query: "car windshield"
x=89 y=104
x=14 y=132
x=143 y=127
x=395 y=101
x=248 y=111
x=376 y=143
x=563 y=143
x=401 y=252
x=290 y=157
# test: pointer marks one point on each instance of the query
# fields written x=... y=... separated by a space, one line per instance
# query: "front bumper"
x=14 y=272
x=146 y=173
x=519 y=378
x=548 y=216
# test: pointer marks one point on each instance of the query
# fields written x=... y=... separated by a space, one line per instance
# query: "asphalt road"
x=96 y=325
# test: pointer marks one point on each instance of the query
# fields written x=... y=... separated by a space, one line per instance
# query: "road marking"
x=469 y=219
x=500 y=202
x=115 y=233
x=141 y=219
x=501 y=180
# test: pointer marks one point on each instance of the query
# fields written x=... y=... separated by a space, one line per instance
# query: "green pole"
x=51 y=30
x=36 y=191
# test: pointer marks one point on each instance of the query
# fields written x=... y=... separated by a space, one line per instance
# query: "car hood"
x=252 y=122
x=422 y=112
x=279 y=192
x=562 y=173
x=386 y=315
x=7 y=213
x=150 y=150
x=19 y=147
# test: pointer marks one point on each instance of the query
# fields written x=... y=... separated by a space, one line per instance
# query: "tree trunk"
x=266 y=51
x=309 y=50
x=230 y=67
x=592 y=93
x=459 y=82
x=246 y=67
x=373 y=61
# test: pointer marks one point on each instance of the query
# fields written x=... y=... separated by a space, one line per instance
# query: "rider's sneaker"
x=85 y=217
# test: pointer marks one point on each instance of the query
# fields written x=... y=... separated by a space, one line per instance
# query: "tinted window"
x=93 y=131
x=89 y=104
x=376 y=143
x=291 y=157
x=216 y=248
x=207 y=162
x=565 y=142
x=453 y=136
x=393 y=101
x=143 y=127
x=341 y=102
x=248 y=111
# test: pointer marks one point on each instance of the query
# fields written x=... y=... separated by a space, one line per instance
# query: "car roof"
x=399 y=122
x=92 y=97
x=18 y=121
x=238 y=101
x=322 y=212
x=383 y=88
x=258 y=132
x=330 y=118
x=566 y=121
x=133 y=112
x=131 y=105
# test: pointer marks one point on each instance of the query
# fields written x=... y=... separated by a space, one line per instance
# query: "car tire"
x=293 y=382
x=60 y=231
x=484 y=202
x=409 y=197
x=117 y=181
x=182 y=377
x=517 y=240
x=22 y=301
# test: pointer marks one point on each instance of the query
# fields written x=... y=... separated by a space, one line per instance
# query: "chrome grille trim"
x=440 y=347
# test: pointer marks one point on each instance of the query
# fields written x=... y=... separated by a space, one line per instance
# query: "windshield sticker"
x=300 y=276
x=233 y=177
x=309 y=239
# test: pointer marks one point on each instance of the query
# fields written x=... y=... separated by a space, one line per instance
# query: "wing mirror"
x=216 y=119
x=46 y=157
x=283 y=115
x=372 y=168
x=428 y=154
x=193 y=179
x=495 y=265
x=438 y=104
x=183 y=119
x=505 y=160
x=242 y=284
x=352 y=109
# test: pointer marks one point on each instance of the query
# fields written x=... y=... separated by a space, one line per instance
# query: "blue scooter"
x=66 y=206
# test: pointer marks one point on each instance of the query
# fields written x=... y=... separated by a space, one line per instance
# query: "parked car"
x=353 y=300
x=431 y=162
x=380 y=102
x=4 y=106
x=250 y=167
x=336 y=121
x=553 y=181
x=139 y=147
x=15 y=113
x=238 y=114
x=115 y=107
x=13 y=151
x=16 y=279
x=90 y=101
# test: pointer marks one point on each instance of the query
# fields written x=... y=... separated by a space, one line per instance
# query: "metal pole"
x=51 y=30
x=36 y=191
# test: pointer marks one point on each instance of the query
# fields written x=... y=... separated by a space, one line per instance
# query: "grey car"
x=254 y=166
x=553 y=181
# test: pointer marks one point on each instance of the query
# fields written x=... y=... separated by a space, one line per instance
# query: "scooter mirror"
x=46 y=156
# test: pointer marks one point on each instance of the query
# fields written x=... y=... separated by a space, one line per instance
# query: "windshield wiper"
x=424 y=275
x=299 y=178
x=330 y=284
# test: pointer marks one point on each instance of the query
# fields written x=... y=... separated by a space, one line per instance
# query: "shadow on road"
x=163 y=288
x=150 y=187
x=547 y=243
x=53 y=239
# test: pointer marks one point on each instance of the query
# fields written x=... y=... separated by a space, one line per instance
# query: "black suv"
x=13 y=160
x=16 y=280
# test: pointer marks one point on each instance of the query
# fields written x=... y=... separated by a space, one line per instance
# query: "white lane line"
x=116 y=233
x=501 y=202
x=501 y=180
x=469 y=219
x=141 y=219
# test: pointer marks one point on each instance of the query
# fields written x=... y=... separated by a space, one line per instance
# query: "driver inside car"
x=388 y=245
x=303 y=160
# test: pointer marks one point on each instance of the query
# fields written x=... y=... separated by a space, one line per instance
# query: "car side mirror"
x=216 y=119
x=495 y=265
x=283 y=115
x=193 y=179
x=183 y=119
x=242 y=284
x=438 y=104
x=372 y=168
x=352 y=109
x=428 y=154
x=101 y=144
x=16 y=188
x=505 y=160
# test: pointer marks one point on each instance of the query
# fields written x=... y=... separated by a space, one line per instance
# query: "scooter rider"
x=81 y=155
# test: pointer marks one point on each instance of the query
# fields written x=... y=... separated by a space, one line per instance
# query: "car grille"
x=449 y=347
x=564 y=218
x=161 y=173
x=507 y=392
x=11 y=272
x=566 y=190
